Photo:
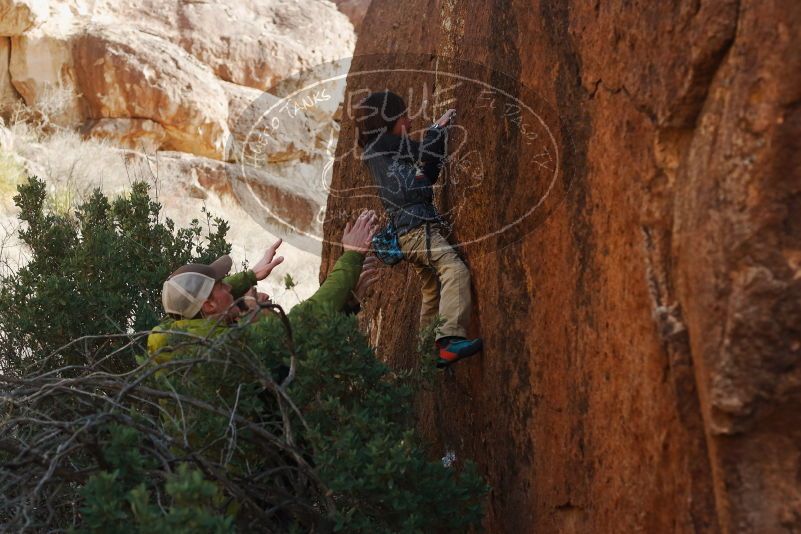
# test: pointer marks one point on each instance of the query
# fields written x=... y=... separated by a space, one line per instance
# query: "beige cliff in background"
x=99 y=93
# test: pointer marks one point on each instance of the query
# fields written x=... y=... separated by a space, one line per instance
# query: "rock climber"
x=405 y=171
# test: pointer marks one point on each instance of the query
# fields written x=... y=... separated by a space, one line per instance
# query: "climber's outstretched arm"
x=432 y=152
x=433 y=146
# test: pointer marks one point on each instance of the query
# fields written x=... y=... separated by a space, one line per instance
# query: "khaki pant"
x=445 y=278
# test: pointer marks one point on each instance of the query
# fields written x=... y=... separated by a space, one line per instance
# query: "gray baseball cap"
x=186 y=289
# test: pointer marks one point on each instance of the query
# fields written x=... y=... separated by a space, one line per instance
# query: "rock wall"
x=642 y=335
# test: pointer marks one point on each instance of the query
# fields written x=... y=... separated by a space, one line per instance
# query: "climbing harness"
x=387 y=246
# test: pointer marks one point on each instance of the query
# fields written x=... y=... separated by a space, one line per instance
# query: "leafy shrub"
x=117 y=499
x=94 y=272
x=278 y=425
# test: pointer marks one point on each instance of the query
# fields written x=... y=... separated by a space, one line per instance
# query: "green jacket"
x=332 y=295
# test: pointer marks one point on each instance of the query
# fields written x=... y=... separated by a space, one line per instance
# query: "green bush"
x=118 y=500
x=94 y=272
x=273 y=426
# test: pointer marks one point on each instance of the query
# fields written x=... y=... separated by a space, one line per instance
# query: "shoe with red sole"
x=455 y=349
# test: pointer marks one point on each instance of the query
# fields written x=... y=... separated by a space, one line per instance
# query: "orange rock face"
x=636 y=254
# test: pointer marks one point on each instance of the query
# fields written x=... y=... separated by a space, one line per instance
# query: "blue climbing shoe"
x=451 y=350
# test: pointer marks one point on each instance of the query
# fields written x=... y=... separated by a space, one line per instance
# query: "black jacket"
x=405 y=171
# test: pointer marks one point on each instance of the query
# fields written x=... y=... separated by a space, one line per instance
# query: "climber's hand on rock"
x=446 y=118
x=358 y=237
x=266 y=264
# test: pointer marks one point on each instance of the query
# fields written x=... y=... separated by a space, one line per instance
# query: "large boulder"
x=124 y=73
x=642 y=338
x=178 y=66
x=255 y=43
x=100 y=72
